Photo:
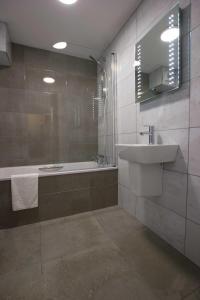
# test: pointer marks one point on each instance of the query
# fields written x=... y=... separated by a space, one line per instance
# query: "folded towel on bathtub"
x=24 y=191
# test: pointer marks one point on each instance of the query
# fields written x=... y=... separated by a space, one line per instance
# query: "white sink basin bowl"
x=147 y=154
x=145 y=166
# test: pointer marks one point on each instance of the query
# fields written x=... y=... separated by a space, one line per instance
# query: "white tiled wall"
x=192 y=248
x=164 y=222
x=193 y=203
x=175 y=216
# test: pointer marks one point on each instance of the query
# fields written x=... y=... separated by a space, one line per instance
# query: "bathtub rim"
x=58 y=173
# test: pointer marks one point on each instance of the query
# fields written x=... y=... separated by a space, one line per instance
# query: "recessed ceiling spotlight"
x=60 y=45
x=48 y=80
x=68 y=1
x=170 y=34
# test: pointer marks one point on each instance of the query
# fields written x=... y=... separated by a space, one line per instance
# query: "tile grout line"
x=162 y=206
x=191 y=293
x=76 y=190
x=41 y=267
x=189 y=117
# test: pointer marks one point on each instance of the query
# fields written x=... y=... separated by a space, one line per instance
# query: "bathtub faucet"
x=100 y=159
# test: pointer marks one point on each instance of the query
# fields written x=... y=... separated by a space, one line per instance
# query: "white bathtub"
x=68 y=168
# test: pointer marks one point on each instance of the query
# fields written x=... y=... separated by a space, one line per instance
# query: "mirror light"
x=48 y=80
x=60 y=45
x=137 y=63
x=170 y=34
x=68 y=1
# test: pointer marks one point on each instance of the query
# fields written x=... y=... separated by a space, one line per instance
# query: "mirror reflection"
x=157 y=58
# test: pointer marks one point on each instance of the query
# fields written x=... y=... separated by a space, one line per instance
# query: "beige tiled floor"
x=103 y=255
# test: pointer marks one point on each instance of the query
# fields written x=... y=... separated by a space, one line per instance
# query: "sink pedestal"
x=146 y=180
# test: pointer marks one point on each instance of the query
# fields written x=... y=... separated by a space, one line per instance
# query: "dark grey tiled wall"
x=62 y=195
x=45 y=123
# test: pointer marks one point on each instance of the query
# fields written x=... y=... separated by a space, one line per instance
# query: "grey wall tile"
x=185 y=58
x=36 y=57
x=9 y=218
x=127 y=119
x=64 y=204
x=23 y=217
x=34 y=113
x=193 y=203
x=195 y=48
x=194 y=146
x=104 y=197
x=171 y=111
x=14 y=76
x=64 y=183
x=185 y=16
x=195 y=103
x=13 y=100
x=127 y=34
x=125 y=62
x=14 y=151
x=174 y=192
x=178 y=137
x=60 y=196
x=162 y=221
x=126 y=91
x=127 y=138
x=123 y=173
x=18 y=54
x=34 y=80
x=195 y=11
x=12 y=124
x=105 y=147
x=170 y=116
x=127 y=200
x=103 y=179
x=192 y=247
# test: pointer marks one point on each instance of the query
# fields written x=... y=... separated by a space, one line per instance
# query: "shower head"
x=94 y=60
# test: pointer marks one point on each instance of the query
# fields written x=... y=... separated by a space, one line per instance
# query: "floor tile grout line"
x=191 y=293
x=109 y=238
x=40 y=226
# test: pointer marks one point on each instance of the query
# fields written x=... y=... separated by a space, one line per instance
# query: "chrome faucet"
x=100 y=159
x=150 y=133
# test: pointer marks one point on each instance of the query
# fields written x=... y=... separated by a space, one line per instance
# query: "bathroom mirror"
x=157 y=58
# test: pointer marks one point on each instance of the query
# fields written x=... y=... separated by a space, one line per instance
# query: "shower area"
x=57 y=120
x=69 y=120
x=104 y=101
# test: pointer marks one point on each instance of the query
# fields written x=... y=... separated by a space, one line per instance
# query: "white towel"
x=24 y=191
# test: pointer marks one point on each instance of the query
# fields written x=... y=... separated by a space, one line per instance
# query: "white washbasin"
x=147 y=154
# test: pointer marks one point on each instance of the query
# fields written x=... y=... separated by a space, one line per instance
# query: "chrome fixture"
x=150 y=133
x=51 y=168
x=101 y=160
x=94 y=60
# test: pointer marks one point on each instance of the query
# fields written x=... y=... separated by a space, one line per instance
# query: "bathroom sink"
x=147 y=154
x=145 y=166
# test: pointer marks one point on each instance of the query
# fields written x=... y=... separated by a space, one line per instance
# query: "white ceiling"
x=88 y=26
